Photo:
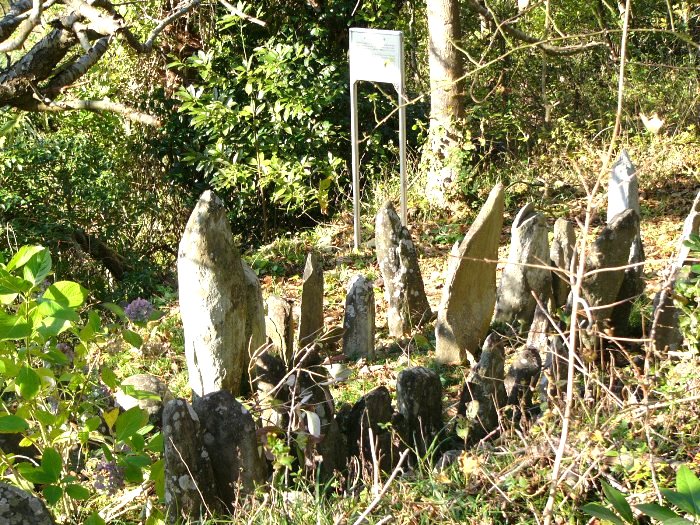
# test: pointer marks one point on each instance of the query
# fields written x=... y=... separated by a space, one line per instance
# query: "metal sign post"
x=376 y=55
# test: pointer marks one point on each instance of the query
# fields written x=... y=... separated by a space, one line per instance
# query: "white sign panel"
x=376 y=55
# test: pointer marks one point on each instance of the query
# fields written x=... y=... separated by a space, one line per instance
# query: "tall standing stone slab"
x=407 y=304
x=190 y=490
x=358 y=337
x=212 y=300
x=372 y=412
x=419 y=401
x=228 y=434
x=623 y=194
x=279 y=326
x=607 y=256
x=311 y=309
x=469 y=295
x=665 y=334
x=484 y=394
x=561 y=253
x=255 y=312
x=524 y=276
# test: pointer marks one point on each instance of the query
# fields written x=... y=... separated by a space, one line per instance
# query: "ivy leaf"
x=77 y=492
x=11 y=424
x=52 y=494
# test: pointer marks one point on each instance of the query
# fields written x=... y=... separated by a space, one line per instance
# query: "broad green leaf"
x=109 y=378
x=129 y=422
x=132 y=473
x=7 y=298
x=656 y=511
x=51 y=463
x=679 y=500
x=38 y=267
x=156 y=443
x=115 y=309
x=28 y=382
x=66 y=293
x=677 y=521
x=52 y=494
x=35 y=475
x=23 y=255
x=11 y=424
x=619 y=502
x=603 y=513
x=11 y=284
x=688 y=484
x=130 y=390
x=53 y=327
x=13 y=327
x=49 y=307
x=110 y=417
x=138 y=460
x=8 y=367
x=93 y=423
x=132 y=338
x=78 y=492
x=94 y=519
x=157 y=475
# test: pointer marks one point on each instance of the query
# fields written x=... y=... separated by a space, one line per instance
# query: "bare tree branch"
x=147 y=46
x=25 y=29
x=78 y=68
x=520 y=35
x=99 y=106
x=12 y=20
x=235 y=11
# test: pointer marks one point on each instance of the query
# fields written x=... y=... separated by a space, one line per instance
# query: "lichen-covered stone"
x=18 y=507
x=561 y=253
x=371 y=412
x=212 y=300
x=311 y=307
x=407 y=304
x=419 y=401
x=359 y=319
x=279 y=327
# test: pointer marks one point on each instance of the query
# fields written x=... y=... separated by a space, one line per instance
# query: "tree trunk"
x=446 y=100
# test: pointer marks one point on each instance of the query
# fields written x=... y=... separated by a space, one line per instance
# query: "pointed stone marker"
x=469 y=295
x=407 y=304
x=212 y=300
x=561 y=253
x=279 y=327
x=358 y=338
x=623 y=194
x=524 y=275
x=665 y=334
x=311 y=309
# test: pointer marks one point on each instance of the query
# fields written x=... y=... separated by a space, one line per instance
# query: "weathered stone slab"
x=190 y=490
x=419 y=401
x=522 y=377
x=255 y=313
x=483 y=394
x=359 y=325
x=407 y=304
x=18 y=507
x=228 y=434
x=311 y=308
x=610 y=250
x=561 y=253
x=665 y=334
x=212 y=299
x=371 y=412
x=469 y=295
x=524 y=276
x=144 y=383
x=623 y=187
x=279 y=327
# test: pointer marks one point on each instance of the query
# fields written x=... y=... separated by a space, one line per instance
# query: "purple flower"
x=139 y=310
x=109 y=477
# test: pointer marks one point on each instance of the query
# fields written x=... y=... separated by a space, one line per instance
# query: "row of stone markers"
x=215 y=450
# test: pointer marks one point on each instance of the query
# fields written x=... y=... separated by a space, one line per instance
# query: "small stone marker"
x=18 y=507
x=311 y=309
x=665 y=334
x=561 y=253
x=359 y=325
x=610 y=250
x=228 y=434
x=279 y=327
x=371 y=412
x=407 y=304
x=522 y=377
x=524 y=276
x=212 y=300
x=623 y=187
x=419 y=401
x=483 y=394
x=188 y=470
x=469 y=295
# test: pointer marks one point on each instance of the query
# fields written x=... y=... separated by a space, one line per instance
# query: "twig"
x=385 y=488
